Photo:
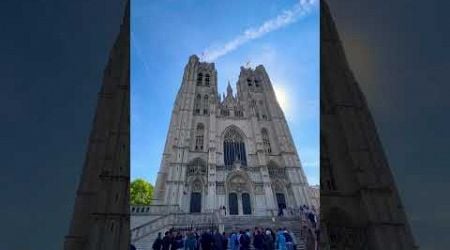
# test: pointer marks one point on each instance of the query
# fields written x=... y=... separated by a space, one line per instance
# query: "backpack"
x=288 y=237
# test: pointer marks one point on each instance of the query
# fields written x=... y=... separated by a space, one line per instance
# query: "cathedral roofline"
x=194 y=59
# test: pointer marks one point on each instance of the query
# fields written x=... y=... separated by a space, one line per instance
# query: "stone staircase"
x=292 y=223
x=143 y=236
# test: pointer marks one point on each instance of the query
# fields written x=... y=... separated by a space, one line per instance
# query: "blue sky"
x=165 y=33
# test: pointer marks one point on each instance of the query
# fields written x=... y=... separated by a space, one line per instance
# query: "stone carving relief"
x=197 y=186
x=233 y=136
x=220 y=188
x=196 y=168
x=277 y=172
x=259 y=189
x=238 y=184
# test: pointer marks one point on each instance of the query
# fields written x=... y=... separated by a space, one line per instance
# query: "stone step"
x=230 y=223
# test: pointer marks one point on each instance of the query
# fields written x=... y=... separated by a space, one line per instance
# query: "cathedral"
x=233 y=152
x=229 y=160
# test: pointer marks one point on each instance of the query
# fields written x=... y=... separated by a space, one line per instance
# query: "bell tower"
x=360 y=205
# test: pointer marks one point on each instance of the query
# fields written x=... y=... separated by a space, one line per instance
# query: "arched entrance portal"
x=196 y=198
x=281 y=200
x=239 y=194
x=233 y=204
x=246 y=204
x=196 y=202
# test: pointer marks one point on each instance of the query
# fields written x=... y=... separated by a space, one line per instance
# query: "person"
x=179 y=241
x=238 y=234
x=197 y=240
x=206 y=240
x=280 y=210
x=289 y=240
x=312 y=218
x=273 y=235
x=190 y=243
x=157 y=244
x=218 y=241
x=255 y=231
x=173 y=241
x=234 y=242
x=244 y=241
x=132 y=247
x=166 y=241
x=224 y=241
x=268 y=240
x=281 y=240
x=258 y=240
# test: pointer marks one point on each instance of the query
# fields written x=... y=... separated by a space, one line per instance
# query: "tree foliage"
x=141 y=192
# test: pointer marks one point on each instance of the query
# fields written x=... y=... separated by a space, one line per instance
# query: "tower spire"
x=93 y=221
x=229 y=89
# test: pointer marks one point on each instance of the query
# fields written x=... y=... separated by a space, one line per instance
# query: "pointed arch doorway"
x=233 y=204
x=246 y=204
x=196 y=198
x=239 y=195
x=196 y=202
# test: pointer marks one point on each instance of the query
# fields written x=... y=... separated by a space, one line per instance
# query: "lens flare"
x=282 y=98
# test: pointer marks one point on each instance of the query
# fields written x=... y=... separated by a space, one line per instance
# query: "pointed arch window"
x=199 y=79
x=199 y=136
x=263 y=110
x=266 y=141
x=238 y=112
x=234 y=148
x=197 y=103
x=207 y=80
x=205 y=104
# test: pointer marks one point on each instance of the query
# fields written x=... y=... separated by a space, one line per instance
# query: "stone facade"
x=314 y=192
x=101 y=218
x=360 y=205
x=233 y=151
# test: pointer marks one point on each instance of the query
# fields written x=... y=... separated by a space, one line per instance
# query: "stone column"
x=239 y=198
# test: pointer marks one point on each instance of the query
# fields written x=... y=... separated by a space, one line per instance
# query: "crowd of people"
x=311 y=214
x=259 y=238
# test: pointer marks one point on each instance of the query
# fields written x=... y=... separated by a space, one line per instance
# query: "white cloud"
x=300 y=9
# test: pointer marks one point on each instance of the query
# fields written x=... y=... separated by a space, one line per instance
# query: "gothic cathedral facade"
x=233 y=152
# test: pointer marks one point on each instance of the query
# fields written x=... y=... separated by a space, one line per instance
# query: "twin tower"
x=232 y=152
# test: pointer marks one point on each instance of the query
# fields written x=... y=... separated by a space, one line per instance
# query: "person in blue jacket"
x=233 y=242
x=281 y=240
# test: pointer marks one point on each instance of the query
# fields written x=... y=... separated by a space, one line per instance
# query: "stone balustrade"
x=172 y=220
x=154 y=209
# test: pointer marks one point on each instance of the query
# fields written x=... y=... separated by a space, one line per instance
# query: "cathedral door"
x=233 y=203
x=246 y=205
x=196 y=202
x=281 y=200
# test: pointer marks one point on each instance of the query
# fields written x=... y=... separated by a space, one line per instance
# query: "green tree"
x=141 y=192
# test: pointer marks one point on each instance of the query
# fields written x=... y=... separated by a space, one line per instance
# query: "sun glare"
x=282 y=98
